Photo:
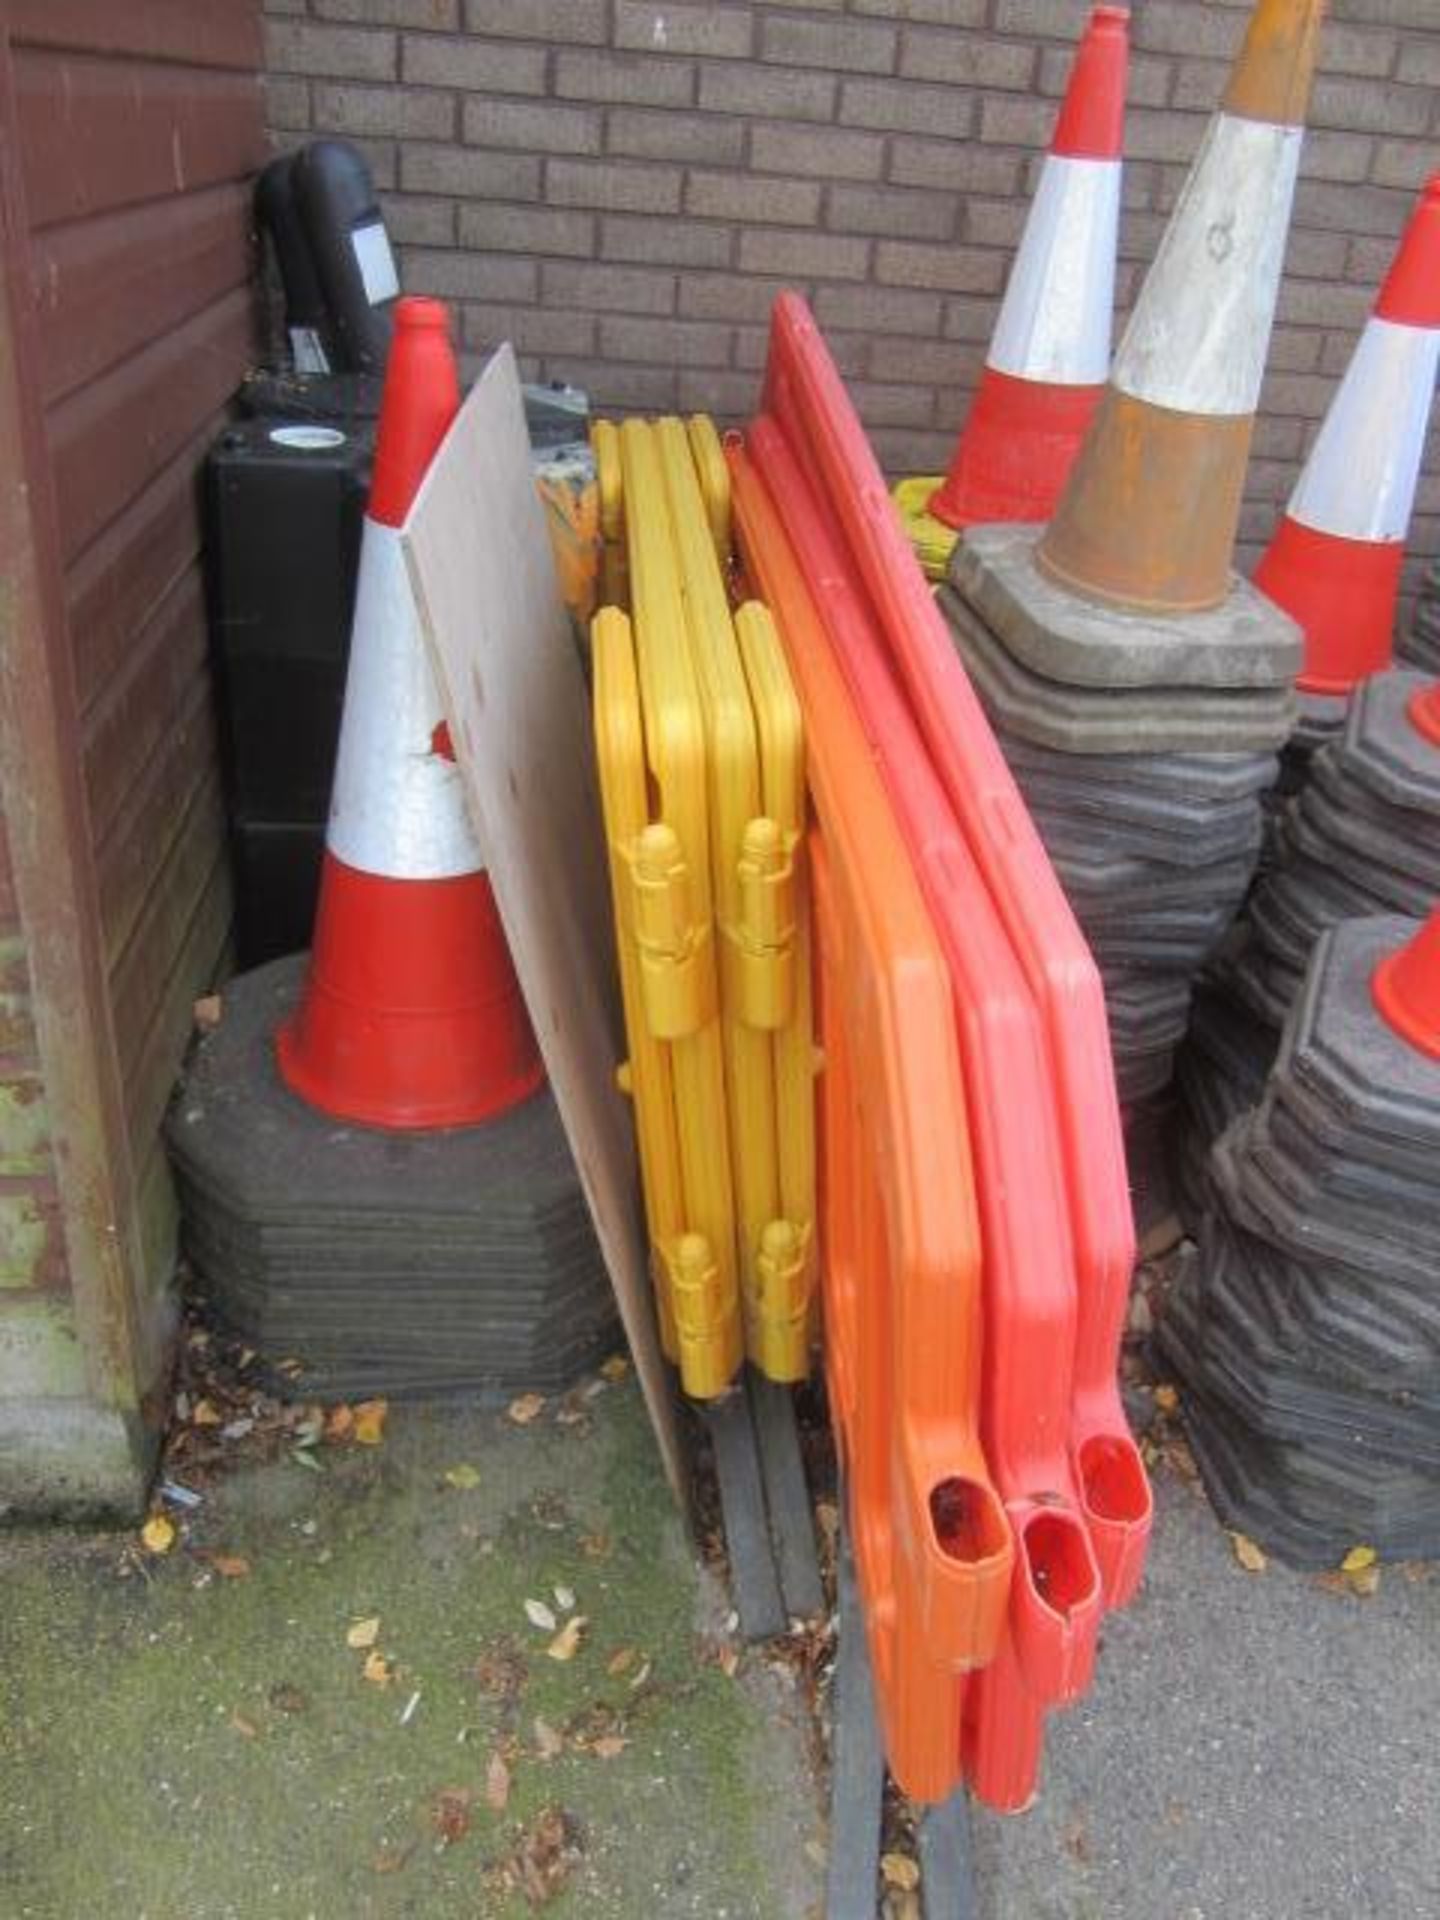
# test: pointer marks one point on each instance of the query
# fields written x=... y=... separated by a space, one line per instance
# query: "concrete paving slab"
x=1255 y=1748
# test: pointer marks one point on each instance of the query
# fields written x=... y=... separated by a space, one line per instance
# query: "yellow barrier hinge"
x=677 y=977
x=763 y=942
x=707 y=1322
x=780 y=1302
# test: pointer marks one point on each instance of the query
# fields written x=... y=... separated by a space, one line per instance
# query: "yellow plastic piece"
x=713 y=472
x=931 y=539
x=614 y=578
x=570 y=496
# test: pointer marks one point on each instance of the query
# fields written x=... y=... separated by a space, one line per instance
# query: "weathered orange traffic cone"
x=1050 y=354
x=1336 y=558
x=1149 y=517
x=411 y=1015
x=1406 y=987
x=1424 y=712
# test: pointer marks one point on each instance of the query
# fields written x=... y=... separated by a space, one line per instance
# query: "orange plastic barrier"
x=901 y=1259
x=1029 y=1262
x=805 y=395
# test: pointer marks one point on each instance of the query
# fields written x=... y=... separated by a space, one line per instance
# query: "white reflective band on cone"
x=1198 y=338
x=397 y=807
x=1059 y=305
x=1360 y=479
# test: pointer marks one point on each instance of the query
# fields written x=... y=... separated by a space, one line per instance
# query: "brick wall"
x=620 y=188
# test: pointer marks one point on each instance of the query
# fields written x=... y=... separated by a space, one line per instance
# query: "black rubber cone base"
x=396 y=1263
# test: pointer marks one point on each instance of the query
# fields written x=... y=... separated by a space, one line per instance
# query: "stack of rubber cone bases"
x=1305 y=1330
x=1420 y=644
x=1142 y=687
x=1049 y=356
x=1336 y=557
x=374 y=1178
x=1360 y=837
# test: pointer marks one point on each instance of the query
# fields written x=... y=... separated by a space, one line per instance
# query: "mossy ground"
x=182 y=1745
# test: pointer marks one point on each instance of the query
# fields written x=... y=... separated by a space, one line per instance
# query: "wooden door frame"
x=52 y=852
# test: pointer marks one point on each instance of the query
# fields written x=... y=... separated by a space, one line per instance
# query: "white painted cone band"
x=1059 y=306
x=1360 y=479
x=1199 y=336
x=397 y=808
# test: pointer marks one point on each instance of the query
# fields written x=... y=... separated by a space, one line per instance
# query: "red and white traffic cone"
x=1050 y=354
x=1148 y=518
x=1336 y=558
x=1406 y=988
x=411 y=1015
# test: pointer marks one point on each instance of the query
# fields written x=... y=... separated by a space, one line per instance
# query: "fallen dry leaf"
x=339 y=1424
x=548 y=1743
x=544 y=1856
x=564 y=1599
x=539 y=1615
x=392 y=1859
x=566 y=1643
x=158 y=1534
x=230 y=1566
x=497 y=1783
x=899 y=1870
x=377 y=1669
x=728 y=1661
x=363 y=1633
x=616 y=1367
x=527 y=1408
x=450 y=1814
x=1358 y=1559
x=370 y=1422
x=595 y=1546
x=1365 y=1581
x=1251 y=1557
x=620 y=1662
x=205 y=1413
x=501 y=1672
x=609 y=1746
x=241 y=1725
x=462 y=1478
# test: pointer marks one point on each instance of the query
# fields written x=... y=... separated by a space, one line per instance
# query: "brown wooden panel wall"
x=138 y=131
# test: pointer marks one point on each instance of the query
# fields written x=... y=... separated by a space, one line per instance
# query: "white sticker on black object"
x=376 y=262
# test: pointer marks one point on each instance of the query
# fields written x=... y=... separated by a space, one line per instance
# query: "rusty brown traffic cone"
x=1149 y=518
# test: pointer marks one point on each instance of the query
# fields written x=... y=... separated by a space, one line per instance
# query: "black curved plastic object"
x=307 y=317
x=353 y=259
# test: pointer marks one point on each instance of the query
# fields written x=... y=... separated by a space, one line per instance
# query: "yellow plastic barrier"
x=753 y=865
x=652 y=769
x=702 y=774
x=777 y=921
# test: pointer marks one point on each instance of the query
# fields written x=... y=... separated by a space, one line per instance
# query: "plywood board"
x=519 y=714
